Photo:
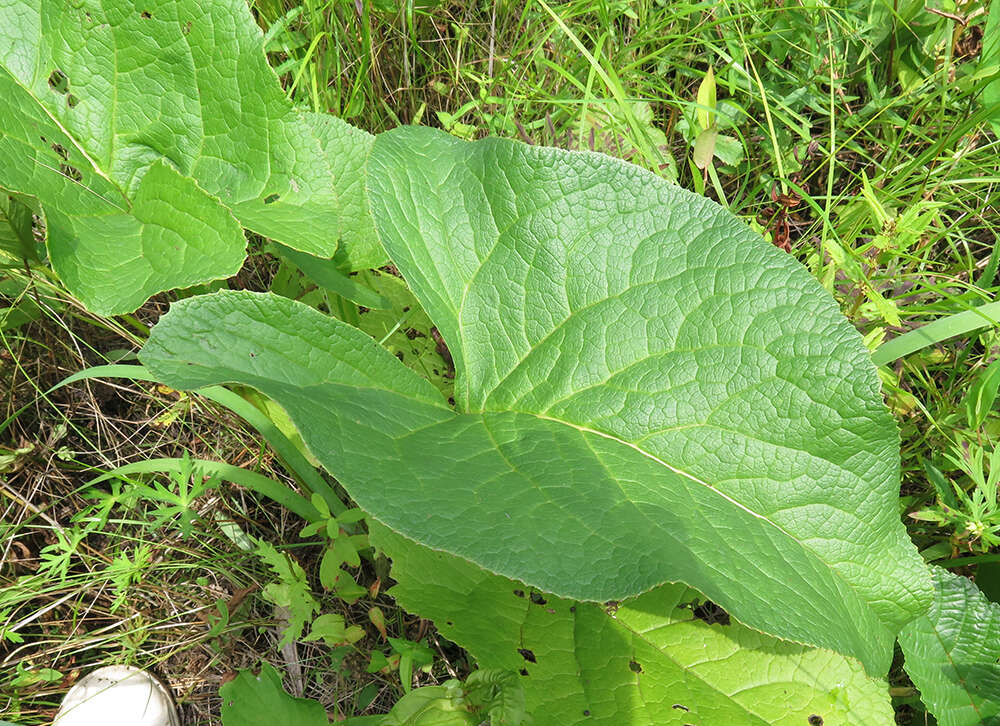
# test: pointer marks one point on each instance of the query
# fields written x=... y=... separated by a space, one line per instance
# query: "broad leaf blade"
x=347 y=149
x=261 y=700
x=582 y=292
x=649 y=661
x=469 y=484
x=174 y=236
x=111 y=252
x=105 y=91
x=953 y=653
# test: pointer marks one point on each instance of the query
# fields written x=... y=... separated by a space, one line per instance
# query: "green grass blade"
x=287 y=452
x=933 y=333
x=249 y=479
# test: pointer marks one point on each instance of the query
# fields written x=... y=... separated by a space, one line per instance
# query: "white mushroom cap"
x=117 y=696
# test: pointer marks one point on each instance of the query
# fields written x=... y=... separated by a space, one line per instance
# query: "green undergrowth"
x=858 y=138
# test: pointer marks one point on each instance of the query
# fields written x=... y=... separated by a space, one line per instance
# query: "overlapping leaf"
x=700 y=371
x=646 y=392
x=953 y=653
x=101 y=94
x=650 y=661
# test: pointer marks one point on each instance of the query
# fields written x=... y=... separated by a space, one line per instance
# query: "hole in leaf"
x=519 y=593
x=586 y=712
x=271 y=198
x=450 y=623
x=711 y=613
x=537 y=599
x=58 y=82
x=523 y=671
x=187 y=28
x=71 y=100
x=635 y=666
x=145 y=15
x=680 y=707
x=71 y=172
x=60 y=151
x=815 y=720
x=252 y=354
x=527 y=655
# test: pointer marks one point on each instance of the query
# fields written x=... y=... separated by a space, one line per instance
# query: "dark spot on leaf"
x=527 y=655
x=443 y=351
x=680 y=707
x=271 y=198
x=71 y=100
x=44 y=140
x=519 y=593
x=815 y=720
x=451 y=400
x=711 y=613
x=399 y=354
x=523 y=671
x=449 y=622
x=58 y=82
x=572 y=608
x=70 y=172
x=634 y=666
x=253 y=355
x=145 y=15
x=406 y=309
x=436 y=373
x=537 y=599
x=586 y=712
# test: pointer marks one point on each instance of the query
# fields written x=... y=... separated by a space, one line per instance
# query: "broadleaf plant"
x=953 y=653
x=665 y=657
x=650 y=404
x=150 y=132
x=639 y=379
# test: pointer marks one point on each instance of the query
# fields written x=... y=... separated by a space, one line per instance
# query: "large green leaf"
x=101 y=93
x=260 y=700
x=953 y=653
x=346 y=149
x=646 y=392
x=649 y=661
x=716 y=394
